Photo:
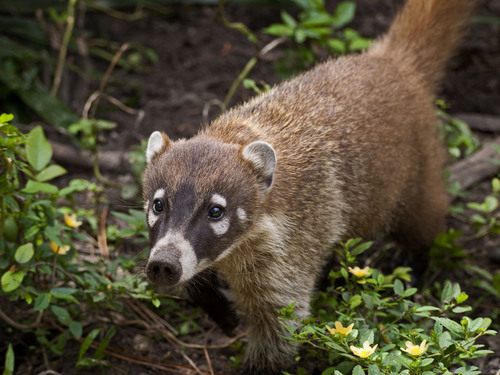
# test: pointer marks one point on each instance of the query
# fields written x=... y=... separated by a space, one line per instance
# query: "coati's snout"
x=172 y=260
x=200 y=199
x=163 y=271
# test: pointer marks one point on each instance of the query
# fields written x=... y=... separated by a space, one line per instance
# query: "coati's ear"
x=263 y=158
x=158 y=142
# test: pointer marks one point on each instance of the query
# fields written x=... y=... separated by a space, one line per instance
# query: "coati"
x=347 y=149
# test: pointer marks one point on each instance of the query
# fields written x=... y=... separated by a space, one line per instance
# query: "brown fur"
x=357 y=156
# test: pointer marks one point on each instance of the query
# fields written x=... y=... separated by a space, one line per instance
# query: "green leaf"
x=99 y=353
x=64 y=293
x=300 y=36
x=41 y=302
x=33 y=187
x=76 y=329
x=61 y=343
x=329 y=371
x=426 y=362
x=52 y=171
x=462 y=297
x=454 y=327
x=11 y=280
x=396 y=361
x=62 y=314
x=461 y=309
x=360 y=44
x=495 y=185
x=447 y=293
x=399 y=288
x=369 y=301
x=9 y=361
x=86 y=343
x=355 y=301
x=426 y=308
x=485 y=323
x=373 y=370
x=24 y=253
x=409 y=292
x=278 y=29
x=358 y=370
x=361 y=248
x=345 y=367
x=337 y=45
x=445 y=340
x=343 y=14
x=5 y=118
x=288 y=20
x=491 y=203
x=38 y=149
x=367 y=336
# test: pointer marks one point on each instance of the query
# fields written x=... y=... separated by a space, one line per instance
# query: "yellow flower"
x=339 y=328
x=414 y=349
x=365 y=351
x=71 y=221
x=58 y=249
x=360 y=272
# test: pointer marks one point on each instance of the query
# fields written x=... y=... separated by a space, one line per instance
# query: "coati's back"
x=343 y=133
x=347 y=149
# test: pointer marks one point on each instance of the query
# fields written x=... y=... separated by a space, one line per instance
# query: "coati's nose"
x=163 y=272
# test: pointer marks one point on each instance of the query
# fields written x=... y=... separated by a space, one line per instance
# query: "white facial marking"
x=187 y=256
x=220 y=227
x=152 y=217
x=219 y=199
x=159 y=193
x=241 y=213
x=146 y=206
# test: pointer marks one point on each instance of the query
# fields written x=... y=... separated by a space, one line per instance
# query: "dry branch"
x=480 y=122
x=476 y=167
x=67 y=154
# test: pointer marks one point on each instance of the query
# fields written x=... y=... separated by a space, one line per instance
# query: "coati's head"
x=201 y=197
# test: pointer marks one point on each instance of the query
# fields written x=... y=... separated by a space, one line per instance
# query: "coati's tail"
x=424 y=35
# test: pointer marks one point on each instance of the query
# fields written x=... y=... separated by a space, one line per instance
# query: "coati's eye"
x=216 y=212
x=157 y=206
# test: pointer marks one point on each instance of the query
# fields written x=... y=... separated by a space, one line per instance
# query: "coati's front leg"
x=205 y=290
x=268 y=352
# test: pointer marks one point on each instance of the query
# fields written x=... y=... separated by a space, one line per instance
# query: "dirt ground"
x=198 y=61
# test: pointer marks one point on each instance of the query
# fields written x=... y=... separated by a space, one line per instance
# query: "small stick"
x=70 y=23
x=205 y=350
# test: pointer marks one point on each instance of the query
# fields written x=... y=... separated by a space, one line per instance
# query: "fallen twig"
x=20 y=326
x=156 y=323
x=480 y=122
x=476 y=167
x=91 y=106
x=205 y=350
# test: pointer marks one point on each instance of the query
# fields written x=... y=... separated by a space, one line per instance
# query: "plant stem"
x=246 y=70
x=70 y=23
x=241 y=27
x=20 y=326
x=100 y=177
